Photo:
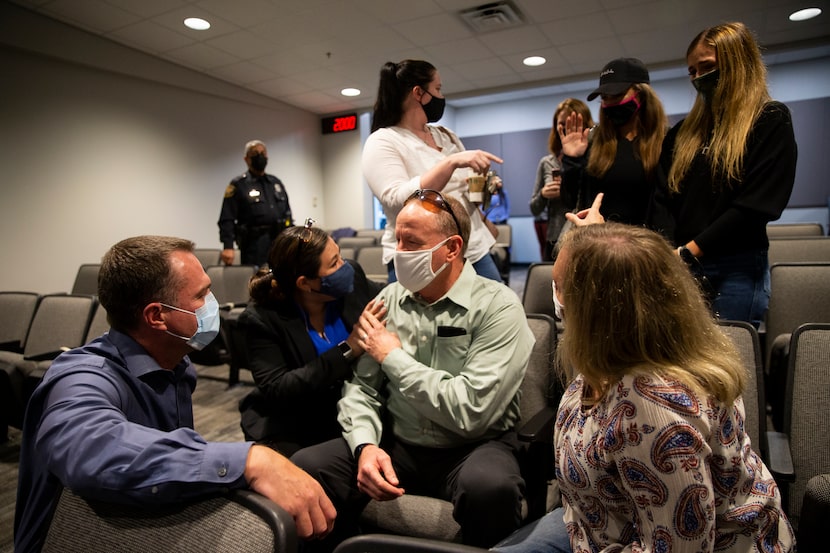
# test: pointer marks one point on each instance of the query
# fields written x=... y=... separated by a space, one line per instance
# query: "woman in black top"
x=730 y=167
x=299 y=339
x=621 y=159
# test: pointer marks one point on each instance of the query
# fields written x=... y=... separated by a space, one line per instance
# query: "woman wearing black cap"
x=622 y=158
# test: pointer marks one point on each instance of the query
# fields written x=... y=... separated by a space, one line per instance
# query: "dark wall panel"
x=811 y=123
x=522 y=151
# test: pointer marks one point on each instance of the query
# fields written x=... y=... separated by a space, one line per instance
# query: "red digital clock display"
x=340 y=123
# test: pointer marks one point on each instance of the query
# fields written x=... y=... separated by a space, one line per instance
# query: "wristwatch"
x=686 y=255
x=358 y=450
x=346 y=350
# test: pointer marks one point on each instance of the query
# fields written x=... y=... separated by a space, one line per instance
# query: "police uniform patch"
x=230 y=191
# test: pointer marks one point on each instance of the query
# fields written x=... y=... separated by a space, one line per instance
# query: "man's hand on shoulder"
x=287 y=485
x=375 y=475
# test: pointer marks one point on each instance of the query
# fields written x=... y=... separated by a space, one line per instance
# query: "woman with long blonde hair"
x=622 y=158
x=731 y=168
x=651 y=450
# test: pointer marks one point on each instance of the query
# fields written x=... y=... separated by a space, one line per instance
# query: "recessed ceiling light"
x=350 y=92
x=197 y=23
x=805 y=14
x=534 y=61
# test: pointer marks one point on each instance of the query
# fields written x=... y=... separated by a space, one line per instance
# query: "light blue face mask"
x=207 y=318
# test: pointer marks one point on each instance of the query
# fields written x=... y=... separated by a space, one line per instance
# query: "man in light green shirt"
x=433 y=404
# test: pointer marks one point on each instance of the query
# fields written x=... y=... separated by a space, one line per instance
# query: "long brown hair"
x=738 y=100
x=651 y=128
x=631 y=305
x=568 y=105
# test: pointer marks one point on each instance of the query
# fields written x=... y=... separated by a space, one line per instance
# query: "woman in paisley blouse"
x=651 y=452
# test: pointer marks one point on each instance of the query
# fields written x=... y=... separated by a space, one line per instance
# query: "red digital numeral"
x=347 y=123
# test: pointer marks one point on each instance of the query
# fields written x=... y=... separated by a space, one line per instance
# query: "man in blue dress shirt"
x=113 y=420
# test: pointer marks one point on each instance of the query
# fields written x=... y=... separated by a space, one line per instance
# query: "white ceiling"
x=303 y=52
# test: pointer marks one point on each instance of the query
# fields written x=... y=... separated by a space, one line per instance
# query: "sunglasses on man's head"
x=432 y=199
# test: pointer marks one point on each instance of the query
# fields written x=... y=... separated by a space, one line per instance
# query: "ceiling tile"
x=242 y=72
x=433 y=30
x=306 y=51
x=94 y=15
x=148 y=8
x=150 y=36
x=240 y=44
x=578 y=29
x=201 y=56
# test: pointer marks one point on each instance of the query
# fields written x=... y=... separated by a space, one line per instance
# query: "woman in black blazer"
x=299 y=339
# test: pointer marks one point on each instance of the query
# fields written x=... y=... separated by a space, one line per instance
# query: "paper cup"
x=476 y=188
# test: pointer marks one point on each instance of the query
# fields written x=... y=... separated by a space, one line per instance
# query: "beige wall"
x=99 y=142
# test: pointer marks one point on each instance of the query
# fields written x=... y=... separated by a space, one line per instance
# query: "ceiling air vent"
x=495 y=16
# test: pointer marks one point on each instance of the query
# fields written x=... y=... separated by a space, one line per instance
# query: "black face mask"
x=620 y=114
x=258 y=162
x=434 y=109
x=706 y=84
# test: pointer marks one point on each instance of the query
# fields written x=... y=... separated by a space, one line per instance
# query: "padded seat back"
x=782 y=230
x=61 y=321
x=17 y=309
x=86 y=279
x=370 y=259
x=806 y=407
x=746 y=340
x=242 y=521
x=538 y=295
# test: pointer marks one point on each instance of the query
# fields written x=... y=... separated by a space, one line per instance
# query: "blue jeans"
x=737 y=285
x=546 y=535
x=485 y=267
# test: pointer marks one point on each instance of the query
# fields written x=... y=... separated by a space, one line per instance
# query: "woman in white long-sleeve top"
x=405 y=153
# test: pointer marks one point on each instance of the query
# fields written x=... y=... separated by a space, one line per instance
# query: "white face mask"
x=557 y=306
x=414 y=269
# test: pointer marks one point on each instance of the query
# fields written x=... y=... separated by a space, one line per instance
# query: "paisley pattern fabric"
x=654 y=467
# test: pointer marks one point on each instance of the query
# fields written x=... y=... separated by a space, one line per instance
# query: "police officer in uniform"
x=254 y=211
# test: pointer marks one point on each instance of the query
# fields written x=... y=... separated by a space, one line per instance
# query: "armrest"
x=387 y=543
x=780 y=457
x=11 y=345
x=540 y=427
x=46 y=356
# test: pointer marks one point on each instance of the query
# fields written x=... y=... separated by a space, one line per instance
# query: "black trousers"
x=254 y=248
x=482 y=480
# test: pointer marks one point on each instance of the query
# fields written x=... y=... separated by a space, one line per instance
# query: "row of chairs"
x=34 y=330
x=244 y=521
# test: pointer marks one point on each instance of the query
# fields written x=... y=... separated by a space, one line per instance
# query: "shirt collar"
x=138 y=362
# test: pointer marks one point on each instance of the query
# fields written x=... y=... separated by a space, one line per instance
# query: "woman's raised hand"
x=574 y=138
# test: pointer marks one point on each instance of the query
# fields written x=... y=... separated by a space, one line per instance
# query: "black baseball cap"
x=618 y=75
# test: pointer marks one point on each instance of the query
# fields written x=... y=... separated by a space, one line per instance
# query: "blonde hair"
x=738 y=100
x=651 y=128
x=632 y=306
